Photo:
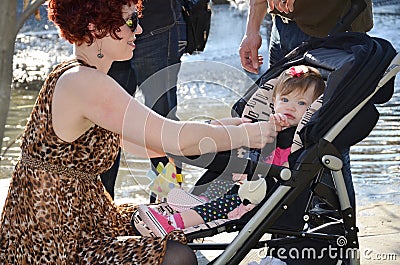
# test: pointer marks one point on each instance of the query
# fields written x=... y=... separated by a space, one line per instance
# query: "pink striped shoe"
x=157 y=222
x=140 y=227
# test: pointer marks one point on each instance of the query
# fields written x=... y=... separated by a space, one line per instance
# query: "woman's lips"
x=131 y=43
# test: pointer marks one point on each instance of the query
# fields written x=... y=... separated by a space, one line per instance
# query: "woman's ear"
x=91 y=27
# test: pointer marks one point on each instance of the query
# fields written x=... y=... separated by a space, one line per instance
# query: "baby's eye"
x=302 y=103
x=285 y=99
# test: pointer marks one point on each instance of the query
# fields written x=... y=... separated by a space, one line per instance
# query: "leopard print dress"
x=57 y=211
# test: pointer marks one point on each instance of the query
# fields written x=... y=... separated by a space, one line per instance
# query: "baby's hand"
x=279 y=119
x=238 y=177
x=260 y=60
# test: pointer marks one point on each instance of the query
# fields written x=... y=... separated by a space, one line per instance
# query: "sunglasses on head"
x=133 y=21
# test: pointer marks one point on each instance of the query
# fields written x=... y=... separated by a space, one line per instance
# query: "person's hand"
x=284 y=6
x=248 y=51
x=238 y=177
x=230 y=121
x=279 y=119
x=260 y=133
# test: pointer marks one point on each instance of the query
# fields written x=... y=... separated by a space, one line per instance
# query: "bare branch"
x=29 y=10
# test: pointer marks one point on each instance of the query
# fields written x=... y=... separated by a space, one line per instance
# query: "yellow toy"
x=166 y=180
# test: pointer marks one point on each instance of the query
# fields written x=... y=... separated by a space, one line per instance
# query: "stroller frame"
x=292 y=184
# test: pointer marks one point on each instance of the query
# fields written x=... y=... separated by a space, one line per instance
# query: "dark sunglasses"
x=133 y=21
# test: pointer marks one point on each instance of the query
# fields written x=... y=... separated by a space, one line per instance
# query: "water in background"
x=375 y=161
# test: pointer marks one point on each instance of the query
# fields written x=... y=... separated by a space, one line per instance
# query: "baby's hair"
x=301 y=78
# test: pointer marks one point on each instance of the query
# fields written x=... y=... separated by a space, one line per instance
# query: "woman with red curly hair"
x=57 y=211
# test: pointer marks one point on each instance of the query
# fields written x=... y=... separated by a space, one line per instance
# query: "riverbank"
x=379 y=225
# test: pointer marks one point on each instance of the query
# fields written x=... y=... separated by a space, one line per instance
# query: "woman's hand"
x=260 y=133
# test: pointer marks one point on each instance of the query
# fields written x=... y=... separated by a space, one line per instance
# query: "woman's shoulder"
x=71 y=63
x=77 y=71
x=83 y=81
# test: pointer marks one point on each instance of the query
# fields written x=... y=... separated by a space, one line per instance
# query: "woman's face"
x=121 y=50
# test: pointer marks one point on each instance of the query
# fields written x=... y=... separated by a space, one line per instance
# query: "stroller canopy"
x=352 y=64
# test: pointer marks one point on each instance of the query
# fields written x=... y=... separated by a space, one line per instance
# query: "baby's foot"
x=158 y=223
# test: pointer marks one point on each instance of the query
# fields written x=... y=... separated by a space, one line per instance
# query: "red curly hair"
x=72 y=18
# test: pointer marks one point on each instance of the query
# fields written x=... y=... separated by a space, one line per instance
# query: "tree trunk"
x=9 y=27
x=8 y=17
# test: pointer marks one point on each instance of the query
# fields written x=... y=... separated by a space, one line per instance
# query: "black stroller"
x=308 y=210
x=359 y=72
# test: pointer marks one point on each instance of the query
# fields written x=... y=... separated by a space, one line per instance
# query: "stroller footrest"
x=210 y=229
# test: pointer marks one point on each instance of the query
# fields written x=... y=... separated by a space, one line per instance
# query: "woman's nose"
x=138 y=30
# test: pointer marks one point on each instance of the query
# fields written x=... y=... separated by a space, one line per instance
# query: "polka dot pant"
x=218 y=208
x=218 y=188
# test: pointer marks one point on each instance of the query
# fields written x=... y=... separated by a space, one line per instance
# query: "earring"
x=100 y=55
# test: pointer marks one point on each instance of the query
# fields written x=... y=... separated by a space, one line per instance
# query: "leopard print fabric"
x=57 y=211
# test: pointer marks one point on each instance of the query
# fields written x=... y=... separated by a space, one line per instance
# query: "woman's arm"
x=85 y=96
x=141 y=151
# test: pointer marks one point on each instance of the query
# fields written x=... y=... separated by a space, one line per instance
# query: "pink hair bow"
x=297 y=71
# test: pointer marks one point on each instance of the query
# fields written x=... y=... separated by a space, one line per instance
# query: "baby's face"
x=293 y=105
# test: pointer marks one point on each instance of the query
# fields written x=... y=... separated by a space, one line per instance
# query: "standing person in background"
x=296 y=22
x=158 y=51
